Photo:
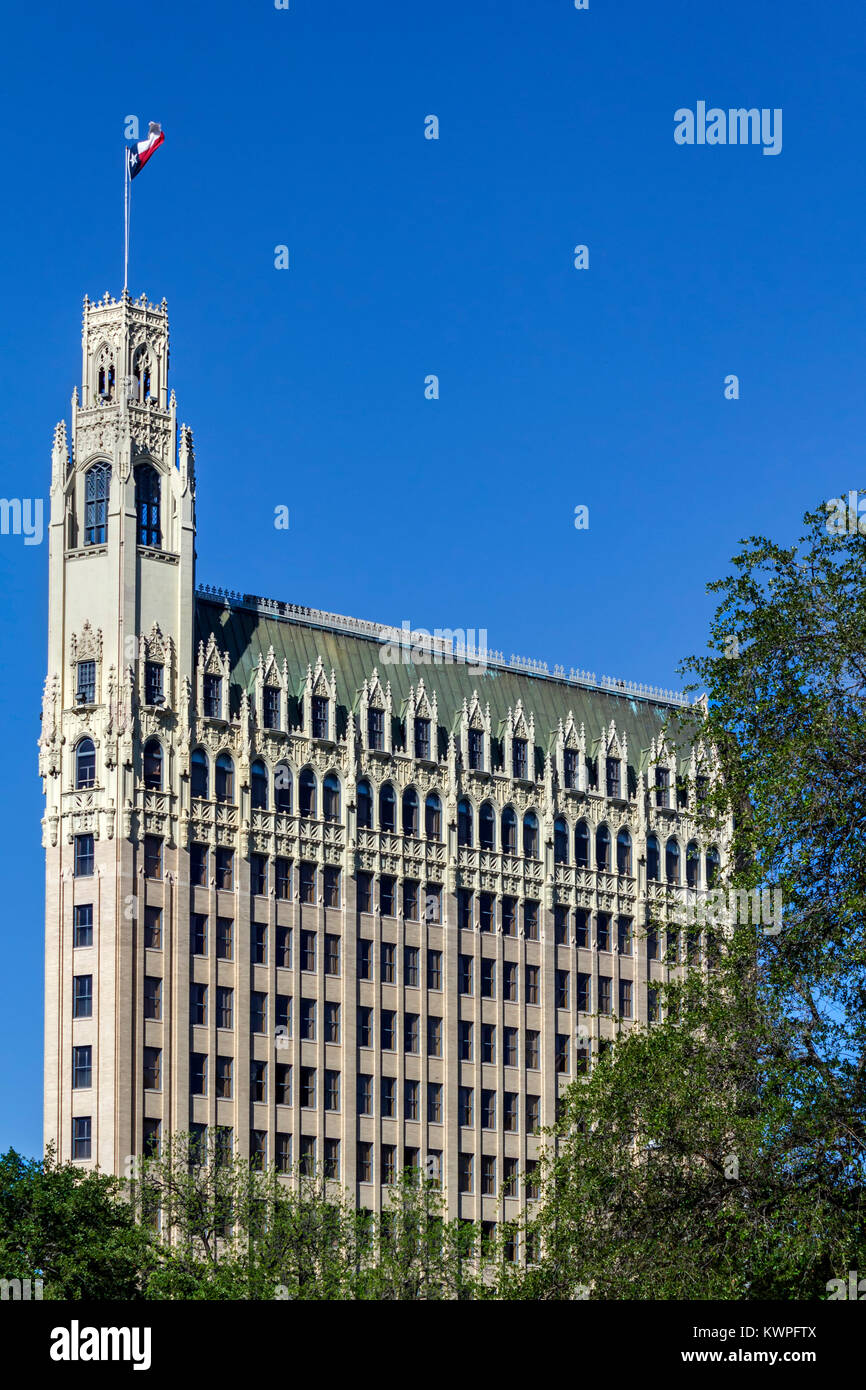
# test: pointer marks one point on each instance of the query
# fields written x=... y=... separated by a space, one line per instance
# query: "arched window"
x=602 y=848
x=433 y=817
x=560 y=840
x=387 y=807
x=307 y=792
x=365 y=806
x=713 y=864
x=530 y=835
x=283 y=787
x=141 y=372
x=581 y=845
x=509 y=831
x=147 y=505
x=464 y=822
x=85 y=764
x=672 y=861
x=487 y=827
x=96 y=484
x=259 y=785
x=224 y=787
x=153 y=765
x=331 y=797
x=199 y=773
x=623 y=852
x=411 y=811
x=693 y=864
x=653 y=868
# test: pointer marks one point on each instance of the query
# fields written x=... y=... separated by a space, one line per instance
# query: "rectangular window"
x=465 y=1106
x=560 y=924
x=332 y=1023
x=623 y=935
x=308 y=1088
x=259 y=874
x=663 y=784
x=509 y=1049
x=83 y=925
x=652 y=943
x=584 y=993
x=81 y=1136
x=86 y=691
x=331 y=884
x=465 y=1172
x=153 y=997
x=389 y=1164
x=464 y=973
x=612 y=777
x=332 y=1159
x=365 y=1094
x=365 y=1027
x=389 y=1097
x=308 y=883
x=258 y=1081
x=225 y=1007
x=509 y=981
x=519 y=758
x=153 y=928
x=308 y=951
x=365 y=1163
x=532 y=1179
x=530 y=921
x=465 y=1041
x=509 y=1113
x=625 y=998
x=562 y=992
x=411 y=1022
x=82 y=1068
x=153 y=683
x=332 y=1090
x=434 y=1037
x=488 y=1042
x=224 y=938
x=376 y=729
x=332 y=954
x=433 y=903
x=388 y=1030
x=561 y=1054
x=365 y=959
x=581 y=927
x=152 y=856
x=422 y=739
x=389 y=969
x=365 y=892
x=602 y=931
x=271 y=706
x=386 y=895
x=434 y=969
x=198 y=1004
x=319 y=714
x=284 y=948
x=488 y=978
x=434 y=1103
x=225 y=1070
x=283 y=879
x=198 y=865
x=308 y=1020
x=82 y=996
x=83 y=860
x=509 y=1176
x=476 y=749
x=604 y=983
x=410 y=967
x=487 y=912
x=464 y=909
x=152 y=1069
x=569 y=769
x=532 y=984
x=198 y=1074
x=532 y=1061
x=653 y=1012
x=283 y=1153
x=258 y=943
x=282 y=1017
x=225 y=868
x=488 y=1109
x=308 y=1155
x=283 y=1083
x=410 y=900
x=509 y=912
x=258 y=1150
x=533 y=1111
x=410 y=1101
x=212 y=696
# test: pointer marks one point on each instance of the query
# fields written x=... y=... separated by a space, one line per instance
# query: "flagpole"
x=126 y=209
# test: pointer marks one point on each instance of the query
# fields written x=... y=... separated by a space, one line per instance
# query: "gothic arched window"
x=464 y=823
x=693 y=864
x=96 y=484
x=147 y=505
x=672 y=861
x=259 y=785
x=509 y=831
x=282 y=787
x=713 y=864
x=331 y=797
x=487 y=827
x=153 y=765
x=199 y=773
x=530 y=835
x=365 y=806
x=433 y=817
x=602 y=848
x=623 y=852
x=387 y=808
x=581 y=845
x=410 y=812
x=652 y=858
x=560 y=841
x=85 y=764
x=225 y=778
x=307 y=792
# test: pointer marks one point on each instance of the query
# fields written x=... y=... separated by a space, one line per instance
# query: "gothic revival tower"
x=120 y=653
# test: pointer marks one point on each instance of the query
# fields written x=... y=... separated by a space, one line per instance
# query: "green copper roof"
x=246 y=627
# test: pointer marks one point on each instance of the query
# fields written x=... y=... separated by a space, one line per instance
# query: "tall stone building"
x=355 y=899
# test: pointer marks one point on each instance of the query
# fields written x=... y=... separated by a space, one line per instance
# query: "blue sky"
x=411 y=257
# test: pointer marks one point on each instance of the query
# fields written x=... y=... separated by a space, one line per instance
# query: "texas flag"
x=137 y=155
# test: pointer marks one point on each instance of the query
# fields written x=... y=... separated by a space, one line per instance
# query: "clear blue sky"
x=408 y=257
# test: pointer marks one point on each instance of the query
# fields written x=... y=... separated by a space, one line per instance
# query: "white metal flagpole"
x=127 y=201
